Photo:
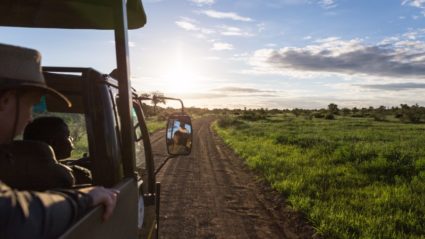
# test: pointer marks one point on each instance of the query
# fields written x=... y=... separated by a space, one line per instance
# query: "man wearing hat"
x=29 y=214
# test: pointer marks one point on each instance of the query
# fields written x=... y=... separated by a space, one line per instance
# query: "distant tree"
x=297 y=112
x=345 y=111
x=379 y=113
x=333 y=108
x=412 y=114
x=156 y=99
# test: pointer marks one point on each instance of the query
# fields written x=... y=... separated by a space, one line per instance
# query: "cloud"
x=192 y=25
x=226 y=15
x=186 y=25
x=221 y=46
x=414 y=3
x=232 y=89
x=233 y=31
x=402 y=58
x=203 y=2
x=395 y=86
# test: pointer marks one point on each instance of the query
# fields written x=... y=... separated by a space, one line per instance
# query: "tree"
x=333 y=108
x=345 y=111
x=379 y=113
x=157 y=97
x=411 y=114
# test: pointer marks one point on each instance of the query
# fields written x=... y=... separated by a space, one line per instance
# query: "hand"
x=105 y=196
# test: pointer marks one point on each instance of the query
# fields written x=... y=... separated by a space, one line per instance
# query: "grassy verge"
x=353 y=178
x=154 y=124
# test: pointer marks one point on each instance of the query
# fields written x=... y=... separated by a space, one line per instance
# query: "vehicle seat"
x=31 y=165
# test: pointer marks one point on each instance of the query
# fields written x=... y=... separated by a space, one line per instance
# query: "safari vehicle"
x=118 y=140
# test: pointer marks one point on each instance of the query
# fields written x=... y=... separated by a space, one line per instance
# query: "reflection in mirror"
x=179 y=135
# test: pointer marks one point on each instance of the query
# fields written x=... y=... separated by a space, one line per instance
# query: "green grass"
x=154 y=124
x=352 y=177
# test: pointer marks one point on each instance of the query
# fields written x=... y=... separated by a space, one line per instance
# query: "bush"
x=330 y=116
x=253 y=116
x=227 y=121
x=379 y=117
x=319 y=115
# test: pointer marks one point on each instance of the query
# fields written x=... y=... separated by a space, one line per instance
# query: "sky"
x=260 y=53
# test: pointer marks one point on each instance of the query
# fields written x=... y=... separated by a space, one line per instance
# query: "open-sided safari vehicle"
x=119 y=148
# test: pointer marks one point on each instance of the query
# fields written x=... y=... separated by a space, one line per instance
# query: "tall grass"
x=352 y=177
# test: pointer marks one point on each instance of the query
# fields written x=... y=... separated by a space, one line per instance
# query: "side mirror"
x=179 y=135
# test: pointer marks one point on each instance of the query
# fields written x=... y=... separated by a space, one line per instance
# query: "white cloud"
x=222 y=46
x=203 y=2
x=414 y=3
x=233 y=31
x=192 y=25
x=188 y=26
x=226 y=15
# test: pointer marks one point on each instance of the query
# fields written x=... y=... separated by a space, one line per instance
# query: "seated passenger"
x=181 y=140
x=31 y=165
x=55 y=132
x=29 y=214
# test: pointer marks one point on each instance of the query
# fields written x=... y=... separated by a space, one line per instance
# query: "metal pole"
x=124 y=89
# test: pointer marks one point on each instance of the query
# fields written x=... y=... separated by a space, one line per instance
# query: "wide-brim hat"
x=20 y=68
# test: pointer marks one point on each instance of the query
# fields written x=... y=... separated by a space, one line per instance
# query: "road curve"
x=212 y=194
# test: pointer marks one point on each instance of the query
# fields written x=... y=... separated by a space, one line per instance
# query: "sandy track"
x=212 y=194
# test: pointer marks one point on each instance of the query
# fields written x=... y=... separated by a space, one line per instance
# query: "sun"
x=182 y=73
x=181 y=78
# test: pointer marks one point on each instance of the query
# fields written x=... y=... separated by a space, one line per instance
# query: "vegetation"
x=155 y=123
x=353 y=177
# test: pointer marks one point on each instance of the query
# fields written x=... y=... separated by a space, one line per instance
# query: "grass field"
x=352 y=177
x=154 y=124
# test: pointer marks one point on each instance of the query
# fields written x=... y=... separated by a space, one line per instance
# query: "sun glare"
x=183 y=74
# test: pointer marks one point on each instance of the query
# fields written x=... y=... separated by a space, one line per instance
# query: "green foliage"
x=227 y=121
x=318 y=115
x=411 y=114
x=330 y=116
x=155 y=123
x=352 y=177
x=333 y=108
x=253 y=115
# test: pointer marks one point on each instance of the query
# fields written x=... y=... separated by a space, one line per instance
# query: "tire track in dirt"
x=212 y=194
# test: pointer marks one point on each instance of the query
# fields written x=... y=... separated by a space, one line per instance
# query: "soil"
x=213 y=194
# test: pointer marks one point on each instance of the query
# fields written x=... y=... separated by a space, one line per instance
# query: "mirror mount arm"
x=163 y=97
x=170 y=98
x=163 y=163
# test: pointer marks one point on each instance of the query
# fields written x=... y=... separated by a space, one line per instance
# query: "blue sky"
x=257 y=53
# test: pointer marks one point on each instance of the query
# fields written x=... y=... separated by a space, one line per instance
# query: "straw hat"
x=20 y=69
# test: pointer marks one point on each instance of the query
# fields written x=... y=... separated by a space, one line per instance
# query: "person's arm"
x=25 y=214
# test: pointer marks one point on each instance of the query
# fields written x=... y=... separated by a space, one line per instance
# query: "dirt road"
x=212 y=194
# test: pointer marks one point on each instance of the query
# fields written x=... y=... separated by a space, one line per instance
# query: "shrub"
x=379 y=117
x=330 y=116
x=253 y=116
x=227 y=121
x=319 y=115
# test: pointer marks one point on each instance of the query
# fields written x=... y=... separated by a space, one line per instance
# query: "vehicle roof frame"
x=39 y=14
